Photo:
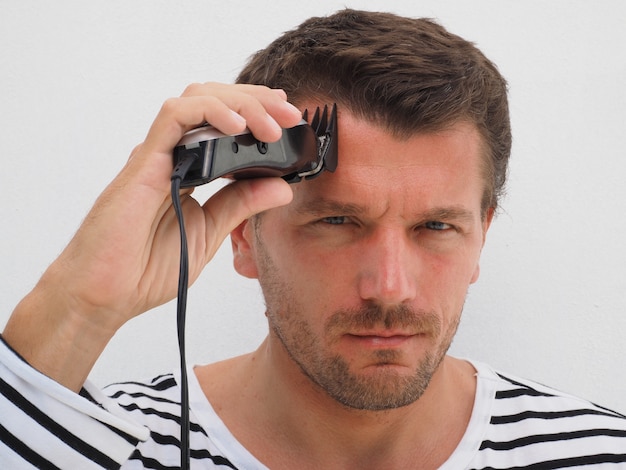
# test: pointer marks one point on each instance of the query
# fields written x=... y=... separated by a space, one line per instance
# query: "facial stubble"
x=382 y=388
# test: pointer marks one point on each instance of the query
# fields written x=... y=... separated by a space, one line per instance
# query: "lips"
x=381 y=339
x=377 y=329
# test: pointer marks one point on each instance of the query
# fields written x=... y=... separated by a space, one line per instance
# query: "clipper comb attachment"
x=302 y=152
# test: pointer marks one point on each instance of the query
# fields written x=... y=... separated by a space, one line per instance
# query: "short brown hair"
x=406 y=75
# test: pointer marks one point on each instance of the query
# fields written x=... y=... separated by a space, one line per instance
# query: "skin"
x=367 y=268
x=381 y=292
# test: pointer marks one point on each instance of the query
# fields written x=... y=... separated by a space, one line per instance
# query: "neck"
x=305 y=424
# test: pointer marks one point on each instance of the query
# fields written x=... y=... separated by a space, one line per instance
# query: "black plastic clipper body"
x=303 y=151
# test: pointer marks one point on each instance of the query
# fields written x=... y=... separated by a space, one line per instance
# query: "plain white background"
x=82 y=81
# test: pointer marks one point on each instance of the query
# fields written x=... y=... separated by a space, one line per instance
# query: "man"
x=364 y=273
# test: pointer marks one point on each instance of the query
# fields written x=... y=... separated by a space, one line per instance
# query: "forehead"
x=378 y=170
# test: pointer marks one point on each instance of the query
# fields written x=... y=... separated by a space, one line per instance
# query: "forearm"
x=49 y=332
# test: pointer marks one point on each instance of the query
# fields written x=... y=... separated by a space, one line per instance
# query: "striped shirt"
x=515 y=424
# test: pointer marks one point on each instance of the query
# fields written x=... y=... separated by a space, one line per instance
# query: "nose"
x=388 y=268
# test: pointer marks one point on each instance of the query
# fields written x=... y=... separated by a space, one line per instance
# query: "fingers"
x=260 y=106
x=240 y=200
x=229 y=108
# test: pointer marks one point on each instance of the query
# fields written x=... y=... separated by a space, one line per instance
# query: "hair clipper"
x=303 y=152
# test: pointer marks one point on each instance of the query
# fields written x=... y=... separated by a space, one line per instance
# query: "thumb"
x=238 y=201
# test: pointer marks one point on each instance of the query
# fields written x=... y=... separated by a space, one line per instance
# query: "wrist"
x=49 y=331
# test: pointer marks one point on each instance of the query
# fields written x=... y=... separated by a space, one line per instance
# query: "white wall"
x=81 y=82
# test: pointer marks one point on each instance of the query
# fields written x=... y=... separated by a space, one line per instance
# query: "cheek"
x=316 y=288
x=301 y=292
x=445 y=283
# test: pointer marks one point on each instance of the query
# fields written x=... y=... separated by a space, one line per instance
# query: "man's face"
x=365 y=273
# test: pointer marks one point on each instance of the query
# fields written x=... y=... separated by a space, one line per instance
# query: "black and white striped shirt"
x=515 y=424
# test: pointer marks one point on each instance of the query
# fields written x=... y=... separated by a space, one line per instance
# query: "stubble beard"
x=382 y=389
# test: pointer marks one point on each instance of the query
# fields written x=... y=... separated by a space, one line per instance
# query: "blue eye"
x=438 y=226
x=335 y=220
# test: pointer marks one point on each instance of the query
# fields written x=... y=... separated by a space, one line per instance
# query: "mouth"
x=380 y=340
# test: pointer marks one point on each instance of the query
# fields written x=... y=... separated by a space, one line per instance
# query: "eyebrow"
x=448 y=213
x=322 y=206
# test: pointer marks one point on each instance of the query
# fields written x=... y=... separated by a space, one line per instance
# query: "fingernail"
x=292 y=108
x=274 y=124
x=280 y=92
x=238 y=117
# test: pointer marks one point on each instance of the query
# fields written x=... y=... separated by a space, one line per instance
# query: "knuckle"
x=193 y=89
x=260 y=91
x=170 y=106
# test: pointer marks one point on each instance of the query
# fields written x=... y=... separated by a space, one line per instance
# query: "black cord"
x=183 y=284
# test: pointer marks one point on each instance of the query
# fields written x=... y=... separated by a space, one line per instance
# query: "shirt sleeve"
x=45 y=425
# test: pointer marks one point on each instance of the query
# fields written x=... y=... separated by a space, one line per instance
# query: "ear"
x=486 y=224
x=244 y=259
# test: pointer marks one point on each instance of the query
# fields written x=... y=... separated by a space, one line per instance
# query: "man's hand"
x=124 y=258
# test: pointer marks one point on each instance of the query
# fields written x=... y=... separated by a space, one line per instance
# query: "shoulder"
x=159 y=387
x=152 y=402
x=539 y=423
x=514 y=395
